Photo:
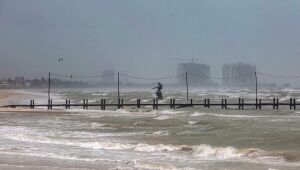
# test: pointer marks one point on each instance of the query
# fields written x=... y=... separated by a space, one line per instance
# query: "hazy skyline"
x=147 y=37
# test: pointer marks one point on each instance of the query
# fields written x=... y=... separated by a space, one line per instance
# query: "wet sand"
x=7 y=95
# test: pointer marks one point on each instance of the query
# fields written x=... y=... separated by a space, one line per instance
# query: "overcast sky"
x=147 y=37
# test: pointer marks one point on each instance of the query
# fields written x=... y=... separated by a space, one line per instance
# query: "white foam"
x=160 y=133
x=83 y=111
x=26 y=135
x=192 y=122
x=207 y=151
x=96 y=125
x=290 y=90
x=163 y=117
x=100 y=94
x=170 y=97
x=96 y=94
x=172 y=112
x=286 y=98
x=198 y=114
x=148 y=100
x=199 y=152
x=92 y=101
x=122 y=111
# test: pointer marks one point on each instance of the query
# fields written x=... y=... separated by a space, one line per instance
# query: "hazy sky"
x=147 y=37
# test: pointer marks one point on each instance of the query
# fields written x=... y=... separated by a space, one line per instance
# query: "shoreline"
x=6 y=96
x=22 y=96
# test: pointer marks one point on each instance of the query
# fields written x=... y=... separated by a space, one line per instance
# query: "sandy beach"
x=21 y=96
x=7 y=95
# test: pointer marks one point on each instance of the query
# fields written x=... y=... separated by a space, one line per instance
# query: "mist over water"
x=147 y=37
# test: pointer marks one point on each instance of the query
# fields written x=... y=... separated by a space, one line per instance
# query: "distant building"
x=239 y=74
x=198 y=74
x=108 y=77
x=4 y=85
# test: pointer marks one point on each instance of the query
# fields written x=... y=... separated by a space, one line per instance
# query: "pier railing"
x=172 y=104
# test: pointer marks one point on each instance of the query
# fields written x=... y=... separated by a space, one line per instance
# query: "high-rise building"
x=239 y=74
x=108 y=77
x=198 y=74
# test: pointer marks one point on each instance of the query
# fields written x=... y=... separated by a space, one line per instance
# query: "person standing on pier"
x=158 y=92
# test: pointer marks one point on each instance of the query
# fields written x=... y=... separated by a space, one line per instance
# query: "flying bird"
x=60 y=59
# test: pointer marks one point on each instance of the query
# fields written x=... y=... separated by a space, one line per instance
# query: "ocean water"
x=131 y=138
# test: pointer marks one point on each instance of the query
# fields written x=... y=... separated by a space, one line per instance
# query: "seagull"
x=60 y=59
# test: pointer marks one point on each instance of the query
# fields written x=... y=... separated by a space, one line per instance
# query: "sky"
x=147 y=37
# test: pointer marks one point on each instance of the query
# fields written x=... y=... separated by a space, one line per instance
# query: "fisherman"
x=158 y=92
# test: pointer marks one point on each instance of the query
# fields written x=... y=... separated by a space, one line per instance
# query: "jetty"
x=240 y=104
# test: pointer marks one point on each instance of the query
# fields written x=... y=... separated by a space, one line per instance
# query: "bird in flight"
x=60 y=59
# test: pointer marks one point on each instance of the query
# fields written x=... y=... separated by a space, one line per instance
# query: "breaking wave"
x=195 y=152
x=203 y=151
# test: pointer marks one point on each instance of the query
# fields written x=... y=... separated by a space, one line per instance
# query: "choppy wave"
x=290 y=90
x=286 y=98
x=202 y=151
x=141 y=132
x=27 y=135
x=195 y=152
x=207 y=151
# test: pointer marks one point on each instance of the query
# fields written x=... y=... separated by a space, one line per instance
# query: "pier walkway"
x=223 y=104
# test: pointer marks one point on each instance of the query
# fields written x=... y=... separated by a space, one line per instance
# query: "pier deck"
x=223 y=104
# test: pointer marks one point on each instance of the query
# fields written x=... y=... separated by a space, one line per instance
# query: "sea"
x=189 y=138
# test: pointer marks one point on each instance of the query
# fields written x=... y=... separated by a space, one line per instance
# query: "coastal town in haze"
x=23 y=83
x=233 y=75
